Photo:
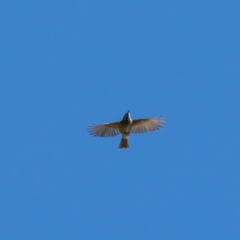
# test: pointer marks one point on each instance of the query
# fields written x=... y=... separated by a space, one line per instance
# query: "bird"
x=125 y=127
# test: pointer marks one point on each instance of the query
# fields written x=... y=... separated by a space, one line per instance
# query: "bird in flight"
x=125 y=127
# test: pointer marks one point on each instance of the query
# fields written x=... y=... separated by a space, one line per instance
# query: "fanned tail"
x=123 y=143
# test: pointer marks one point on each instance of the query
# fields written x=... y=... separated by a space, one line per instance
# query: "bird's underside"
x=126 y=127
x=138 y=126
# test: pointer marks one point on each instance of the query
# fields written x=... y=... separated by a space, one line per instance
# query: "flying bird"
x=125 y=127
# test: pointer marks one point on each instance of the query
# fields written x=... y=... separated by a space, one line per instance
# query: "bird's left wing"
x=147 y=124
x=104 y=130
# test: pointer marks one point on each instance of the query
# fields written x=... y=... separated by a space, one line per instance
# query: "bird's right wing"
x=104 y=130
x=147 y=124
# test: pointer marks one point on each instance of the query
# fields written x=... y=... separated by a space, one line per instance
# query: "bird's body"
x=125 y=127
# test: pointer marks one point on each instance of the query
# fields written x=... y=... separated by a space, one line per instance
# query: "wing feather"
x=104 y=130
x=147 y=124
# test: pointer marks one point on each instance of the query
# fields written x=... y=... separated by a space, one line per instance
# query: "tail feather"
x=123 y=143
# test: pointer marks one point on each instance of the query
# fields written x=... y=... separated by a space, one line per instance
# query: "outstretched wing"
x=147 y=124
x=104 y=130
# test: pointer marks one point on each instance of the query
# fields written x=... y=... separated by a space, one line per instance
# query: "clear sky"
x=65 y=65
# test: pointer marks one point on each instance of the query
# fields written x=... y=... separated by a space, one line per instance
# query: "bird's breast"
x=126 y=130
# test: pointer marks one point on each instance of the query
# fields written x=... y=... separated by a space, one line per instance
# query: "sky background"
x=65 y=65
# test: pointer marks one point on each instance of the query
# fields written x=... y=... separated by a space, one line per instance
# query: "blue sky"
x=66 y=65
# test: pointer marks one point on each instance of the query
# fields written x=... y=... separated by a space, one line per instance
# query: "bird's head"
x=126 y=117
